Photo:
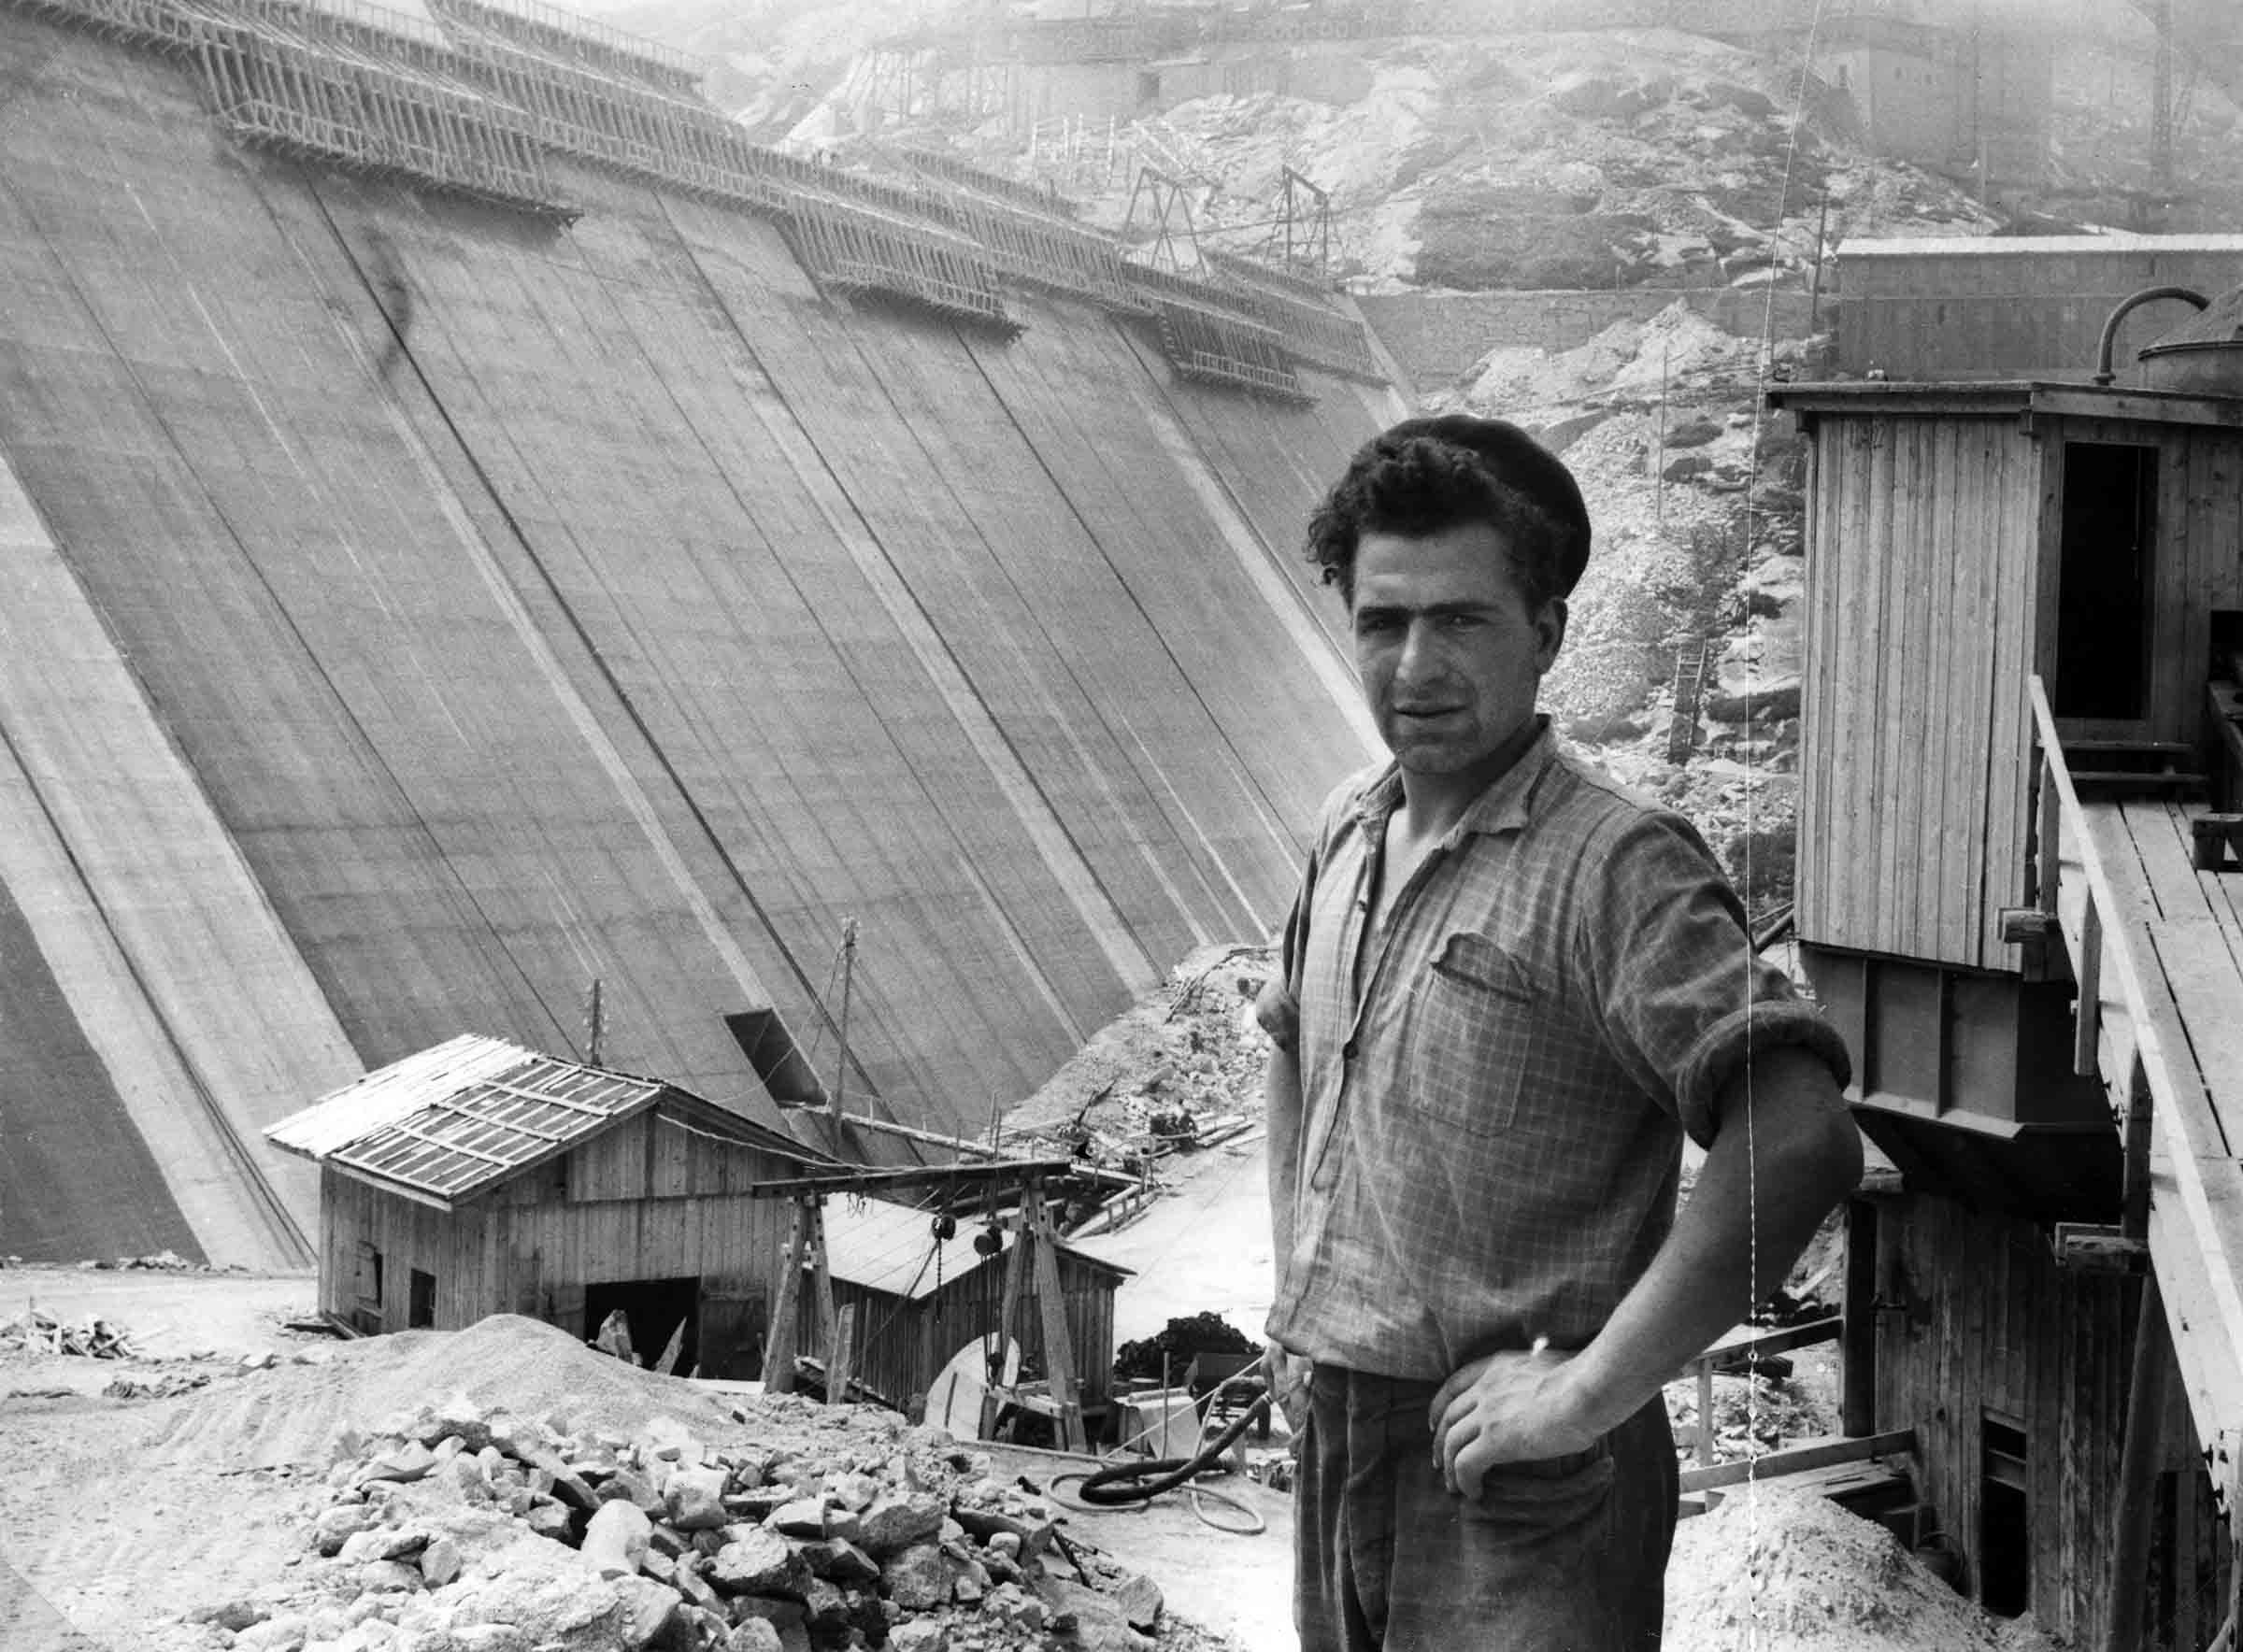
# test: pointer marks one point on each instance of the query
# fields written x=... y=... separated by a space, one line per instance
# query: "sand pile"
x=302 y=1414
x=1788 y=1570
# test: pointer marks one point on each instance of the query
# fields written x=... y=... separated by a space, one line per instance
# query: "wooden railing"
x=2138 y=970
x=1743 y=1347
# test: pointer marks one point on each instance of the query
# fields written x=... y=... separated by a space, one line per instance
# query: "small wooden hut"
x=479 y=1177
x=2021 y=601
x=920 y=1299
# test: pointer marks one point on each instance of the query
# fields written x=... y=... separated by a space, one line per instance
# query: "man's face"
x=1450 y=654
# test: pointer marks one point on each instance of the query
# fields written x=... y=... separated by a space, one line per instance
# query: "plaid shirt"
x=1493 y=1108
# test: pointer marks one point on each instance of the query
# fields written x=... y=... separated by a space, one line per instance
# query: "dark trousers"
x=1563 y=1555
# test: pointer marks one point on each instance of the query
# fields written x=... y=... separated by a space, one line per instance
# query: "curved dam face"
x=413 y=611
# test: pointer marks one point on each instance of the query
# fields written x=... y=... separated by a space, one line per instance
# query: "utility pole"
x=2161 y=101
x=849 y=969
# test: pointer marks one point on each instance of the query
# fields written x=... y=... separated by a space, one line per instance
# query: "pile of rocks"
x=456 y=1531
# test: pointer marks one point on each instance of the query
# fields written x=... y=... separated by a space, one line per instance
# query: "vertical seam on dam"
x=218 y=513
x=1134 y=971
x=1067 y=499
x=583 y=633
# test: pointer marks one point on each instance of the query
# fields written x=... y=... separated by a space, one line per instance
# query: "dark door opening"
x=2103 y=591
x=421 y=1306
x=2005 y=1546
x=654 y=1309
x=776 y=1059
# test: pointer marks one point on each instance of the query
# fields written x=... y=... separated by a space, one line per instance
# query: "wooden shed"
x=2015 y=594
x=477 y=1178
x=920 y=1299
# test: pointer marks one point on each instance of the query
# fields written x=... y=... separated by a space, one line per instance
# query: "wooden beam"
x=910 y=1134
x=779 y=1347
x=538 y=1095
x=2087 y=1016
x=920 y=1175
x=2139 y=1467
x=844 y=1352
x=1008 y=1313
x=1059 y=1351
x=821 y=1278
x=1857 y=1379
x=421 y=1136
x=1820 y=1454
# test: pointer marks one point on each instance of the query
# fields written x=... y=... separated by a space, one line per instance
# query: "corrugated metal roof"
x=891 y=1248
x=2059 y=246
x=466 y=1114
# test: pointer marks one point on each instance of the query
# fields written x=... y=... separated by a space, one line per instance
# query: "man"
x=1510 y=987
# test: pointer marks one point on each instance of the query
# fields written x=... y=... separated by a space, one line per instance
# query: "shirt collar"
x=1502 y=807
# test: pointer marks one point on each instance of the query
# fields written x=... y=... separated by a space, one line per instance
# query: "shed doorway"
x=656 y=1308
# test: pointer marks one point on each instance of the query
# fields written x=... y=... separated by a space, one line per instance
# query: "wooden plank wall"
x=1920 y=603
x=908 y=1343
x=2197 y=564
x=1982 y=1318
x=647 y=1200
x=452 y=1247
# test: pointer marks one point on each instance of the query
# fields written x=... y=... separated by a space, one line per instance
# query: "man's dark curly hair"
x=1426 y=476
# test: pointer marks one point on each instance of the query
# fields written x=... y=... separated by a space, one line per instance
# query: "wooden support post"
x=2048 y=858
x=1858 y=1349
x=2089 y=1017
x=1058 y=1353
x=837 y=1368
x=1008 y=1314
x=1704 y=1410
x=822 y=1279
x=2134 y=1221
x=778 y=1346
x=2138 y=1476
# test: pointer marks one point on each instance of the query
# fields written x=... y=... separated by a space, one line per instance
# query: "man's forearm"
x=1784 y=1155
x=1281 y=1093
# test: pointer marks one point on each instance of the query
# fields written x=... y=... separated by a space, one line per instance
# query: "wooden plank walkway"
x=2167 y=979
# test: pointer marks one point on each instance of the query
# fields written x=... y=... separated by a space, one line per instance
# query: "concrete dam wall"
x=414 y=609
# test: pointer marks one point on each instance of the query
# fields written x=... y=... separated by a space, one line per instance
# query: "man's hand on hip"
x=1516 y=1408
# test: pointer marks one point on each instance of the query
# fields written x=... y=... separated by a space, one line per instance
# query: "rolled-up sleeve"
x=1683 y=1000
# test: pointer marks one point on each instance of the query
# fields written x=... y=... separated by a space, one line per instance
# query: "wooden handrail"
x=2195 y=1219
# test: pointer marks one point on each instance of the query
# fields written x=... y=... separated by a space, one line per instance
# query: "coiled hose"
x=1122 y=1485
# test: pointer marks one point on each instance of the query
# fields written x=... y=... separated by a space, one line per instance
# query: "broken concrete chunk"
x=892 y=1523
x=920 y=1634
x=409 y=1461
x=381 y=1577
x=919 y=1577
x=840 y=1560
x=286 y=1632
x=550 y=1474
x=619 y=1534
x=654 y=1617
x=760 y=1562
x=1140 y=1600
x=489 y=1637
x=693 y=1498
x=802 y=1518
x=756 y=1636
x=335 y=1527
x=853 y=1491
x=547 y=1519
x=439 y=1562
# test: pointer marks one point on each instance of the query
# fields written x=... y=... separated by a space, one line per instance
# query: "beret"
x=1523 y=464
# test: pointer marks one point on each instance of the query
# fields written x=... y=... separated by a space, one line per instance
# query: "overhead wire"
x=1763 y=365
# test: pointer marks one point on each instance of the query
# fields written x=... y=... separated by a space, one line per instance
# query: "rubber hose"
x=1115 y=1487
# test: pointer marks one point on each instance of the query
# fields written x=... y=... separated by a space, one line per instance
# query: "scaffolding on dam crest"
x=477 y=102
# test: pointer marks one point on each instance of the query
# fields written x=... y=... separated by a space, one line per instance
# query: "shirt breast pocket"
x=1473 y=1017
